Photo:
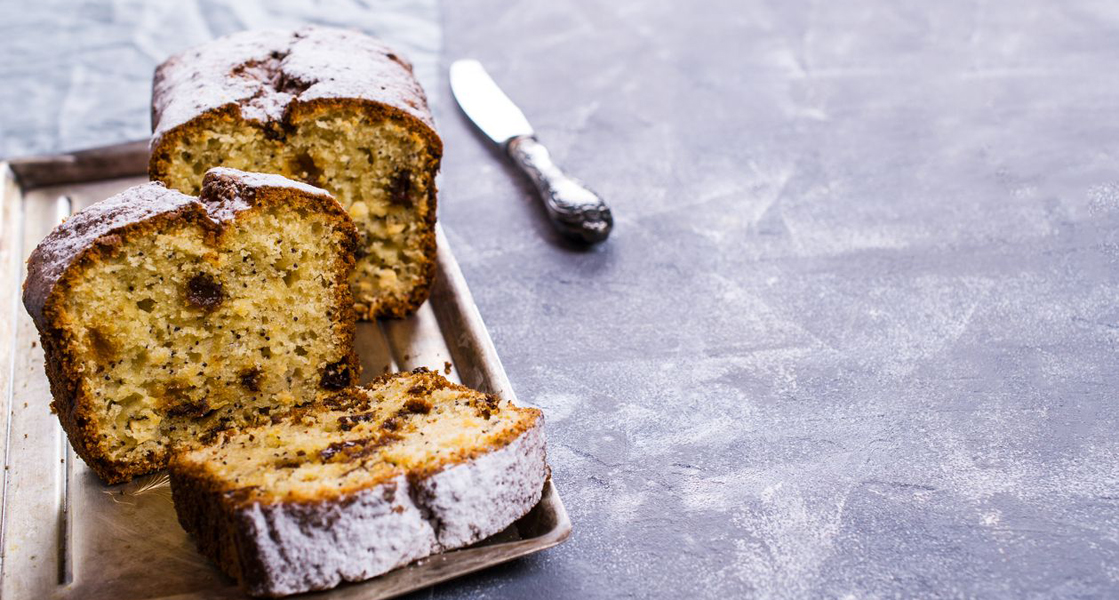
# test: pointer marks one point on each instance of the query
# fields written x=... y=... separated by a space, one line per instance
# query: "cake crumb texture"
x=330 y=107
x=366 y=480
x=166 y=318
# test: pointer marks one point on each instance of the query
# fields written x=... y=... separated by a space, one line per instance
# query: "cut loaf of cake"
x=330 y=107
x=165 y=318
x=371 y=479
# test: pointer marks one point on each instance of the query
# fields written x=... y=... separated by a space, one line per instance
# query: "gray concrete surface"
x=78 y=73
x=855 y=335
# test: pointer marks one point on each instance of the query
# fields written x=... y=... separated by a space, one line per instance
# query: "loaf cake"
x=330 y=107
x=166 y=318
x=370 y=479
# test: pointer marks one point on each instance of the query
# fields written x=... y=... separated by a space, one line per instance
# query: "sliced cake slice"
x=165 y=317
x=331 y=107
x=371 y=479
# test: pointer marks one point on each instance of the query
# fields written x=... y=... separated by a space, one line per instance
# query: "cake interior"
x=178 y=337
x=373 y=165
x=414 y=423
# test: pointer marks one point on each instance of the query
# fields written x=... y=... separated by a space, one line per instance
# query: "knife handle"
x=574 y=210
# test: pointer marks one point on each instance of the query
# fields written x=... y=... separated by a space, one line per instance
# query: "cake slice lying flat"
x=166 y=317
x=372 y=479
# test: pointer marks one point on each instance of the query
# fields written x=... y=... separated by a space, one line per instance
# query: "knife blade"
x=572 y=207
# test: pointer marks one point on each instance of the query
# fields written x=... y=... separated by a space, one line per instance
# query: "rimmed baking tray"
x=66 y=535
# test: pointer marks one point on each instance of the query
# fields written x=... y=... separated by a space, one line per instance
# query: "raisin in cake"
x=330 y=107
x=166 y=317
x=371 y=479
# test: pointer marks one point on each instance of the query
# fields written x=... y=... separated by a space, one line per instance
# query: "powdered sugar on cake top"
x=259 y=74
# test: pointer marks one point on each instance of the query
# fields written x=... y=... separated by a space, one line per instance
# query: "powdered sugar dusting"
x=311 y=547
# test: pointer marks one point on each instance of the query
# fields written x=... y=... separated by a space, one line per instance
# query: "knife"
x=574 y=209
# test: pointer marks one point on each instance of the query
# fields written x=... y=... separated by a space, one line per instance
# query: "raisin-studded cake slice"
x=370 y=480
x=165 y=317
x=330 y=107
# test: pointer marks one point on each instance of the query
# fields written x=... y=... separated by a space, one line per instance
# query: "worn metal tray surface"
x=66 y=535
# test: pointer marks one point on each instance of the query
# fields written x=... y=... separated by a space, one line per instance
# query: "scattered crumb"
x=447 y=367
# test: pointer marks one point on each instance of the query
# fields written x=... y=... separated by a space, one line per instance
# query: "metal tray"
x=66 y=535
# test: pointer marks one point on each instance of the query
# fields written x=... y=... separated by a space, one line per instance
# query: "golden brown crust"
x=96 y=233
x=200 y=511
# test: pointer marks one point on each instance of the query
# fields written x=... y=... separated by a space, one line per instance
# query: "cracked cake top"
x=260 y=73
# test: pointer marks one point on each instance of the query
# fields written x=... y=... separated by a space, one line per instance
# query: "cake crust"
x=274 y=79
x=95 y=234
x=280 y=545
x=278 y=71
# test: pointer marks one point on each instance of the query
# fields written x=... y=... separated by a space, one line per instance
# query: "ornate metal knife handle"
x=576 y=211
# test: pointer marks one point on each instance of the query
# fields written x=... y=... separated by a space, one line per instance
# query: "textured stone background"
x=78 y=73
x=856 y=333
